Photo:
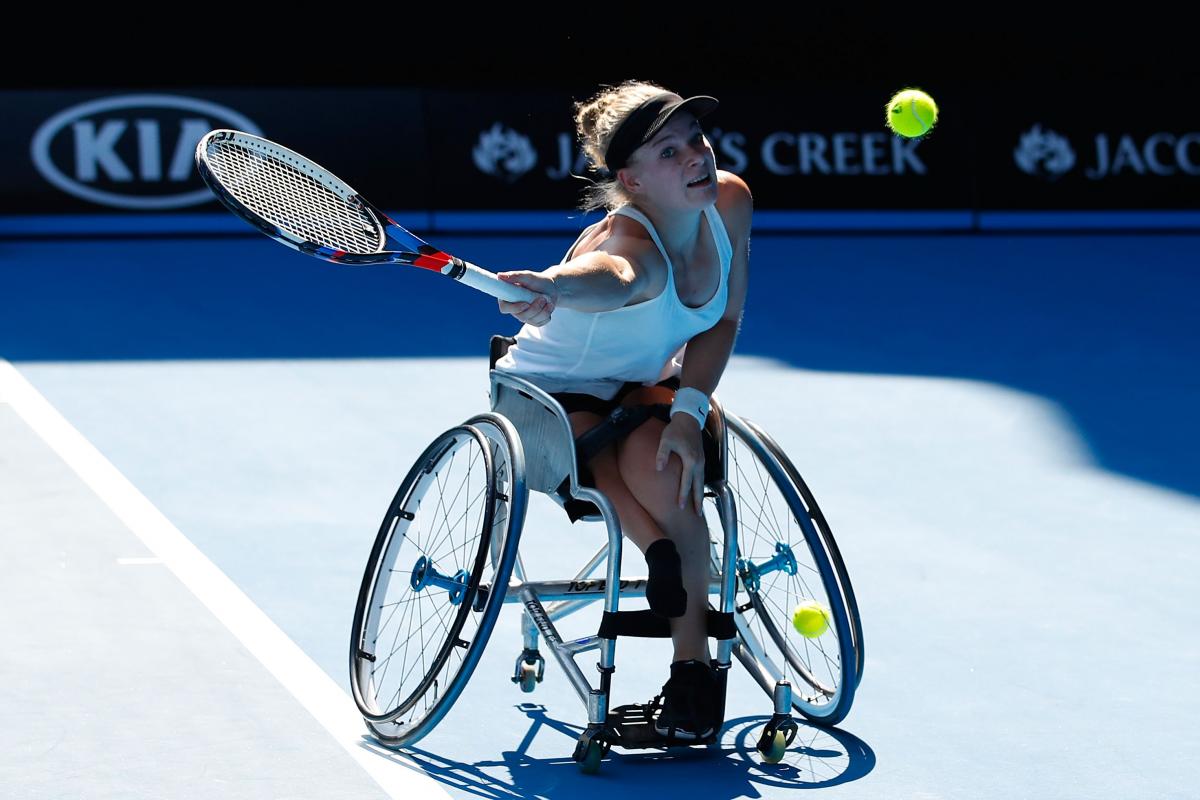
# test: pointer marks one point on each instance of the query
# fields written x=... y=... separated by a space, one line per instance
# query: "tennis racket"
x=306 y=207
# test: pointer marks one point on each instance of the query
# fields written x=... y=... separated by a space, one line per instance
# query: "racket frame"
x=419 y=253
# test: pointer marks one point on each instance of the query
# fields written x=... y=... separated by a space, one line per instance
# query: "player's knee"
x=657 y=490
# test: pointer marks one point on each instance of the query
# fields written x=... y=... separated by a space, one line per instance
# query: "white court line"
x=291 y=666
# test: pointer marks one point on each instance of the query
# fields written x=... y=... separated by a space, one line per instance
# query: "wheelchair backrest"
x=541 y=422
x=544 y=429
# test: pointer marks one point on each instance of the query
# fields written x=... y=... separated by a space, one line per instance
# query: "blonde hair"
x=596 y=120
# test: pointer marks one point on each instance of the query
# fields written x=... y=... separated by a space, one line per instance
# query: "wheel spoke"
x=443 y=517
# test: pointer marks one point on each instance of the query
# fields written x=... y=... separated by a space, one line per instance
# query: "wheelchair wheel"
x=823 y=528
x=786 y=555
x=435 y=580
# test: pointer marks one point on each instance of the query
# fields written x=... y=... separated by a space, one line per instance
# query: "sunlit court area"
x=295 y=501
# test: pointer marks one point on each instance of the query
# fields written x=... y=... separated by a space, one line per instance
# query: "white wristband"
x=691 y=401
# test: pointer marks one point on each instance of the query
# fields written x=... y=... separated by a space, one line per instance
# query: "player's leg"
x=664 y=588
x=657 y=494
x=636 y=524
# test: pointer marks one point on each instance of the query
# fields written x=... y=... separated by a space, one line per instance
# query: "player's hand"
x=682 y=436
x=538 y=310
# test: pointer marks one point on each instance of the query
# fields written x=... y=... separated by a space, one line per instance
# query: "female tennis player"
x=646 y=300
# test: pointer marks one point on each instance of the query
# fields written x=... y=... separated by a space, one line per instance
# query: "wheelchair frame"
x=532 y=414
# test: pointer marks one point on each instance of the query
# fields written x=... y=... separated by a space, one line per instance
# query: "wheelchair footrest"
x=646 y=623
x=632 y=728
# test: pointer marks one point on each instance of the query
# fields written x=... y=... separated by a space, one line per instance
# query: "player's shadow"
x=817 y=758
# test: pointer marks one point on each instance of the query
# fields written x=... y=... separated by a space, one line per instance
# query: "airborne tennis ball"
x=911 y=113
x=811 y=619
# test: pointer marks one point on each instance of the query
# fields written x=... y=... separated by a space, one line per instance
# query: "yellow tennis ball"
x=911 y=113
x=811 y=619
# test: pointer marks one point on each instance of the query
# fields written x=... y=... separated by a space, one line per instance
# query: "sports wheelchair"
x=443 y=562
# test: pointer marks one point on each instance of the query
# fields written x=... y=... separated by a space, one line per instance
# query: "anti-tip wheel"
x=590 y=764
x=528 y=680
x=773 y=753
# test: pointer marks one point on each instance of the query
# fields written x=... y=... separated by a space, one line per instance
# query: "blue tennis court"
x=200 y=436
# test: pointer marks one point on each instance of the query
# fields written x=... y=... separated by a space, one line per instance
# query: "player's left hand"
x=682 y=436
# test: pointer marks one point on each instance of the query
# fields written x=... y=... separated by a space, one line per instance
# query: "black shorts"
x=575 y=401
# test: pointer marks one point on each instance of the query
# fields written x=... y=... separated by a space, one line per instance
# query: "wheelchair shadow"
x=817 y=758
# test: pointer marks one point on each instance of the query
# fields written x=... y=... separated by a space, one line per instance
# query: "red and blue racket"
x=304 y=206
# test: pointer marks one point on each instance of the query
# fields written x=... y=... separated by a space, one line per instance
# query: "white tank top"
x=595 y=352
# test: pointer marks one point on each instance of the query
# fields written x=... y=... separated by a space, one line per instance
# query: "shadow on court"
x=817 y=758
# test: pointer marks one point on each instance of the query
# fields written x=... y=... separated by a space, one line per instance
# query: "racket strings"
x=293 y=200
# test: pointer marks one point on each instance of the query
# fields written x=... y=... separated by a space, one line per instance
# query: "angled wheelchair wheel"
x=839 y=565
x=786 y=556
x=435 y=580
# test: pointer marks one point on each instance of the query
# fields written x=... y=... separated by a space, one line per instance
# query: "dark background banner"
x=1040 y=121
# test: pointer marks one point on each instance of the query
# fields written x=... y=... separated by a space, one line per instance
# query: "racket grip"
x=487 y=282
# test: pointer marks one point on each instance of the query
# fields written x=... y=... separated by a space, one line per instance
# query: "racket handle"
x=487 y=282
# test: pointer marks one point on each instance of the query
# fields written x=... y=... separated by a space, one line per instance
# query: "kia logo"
x=133 y=151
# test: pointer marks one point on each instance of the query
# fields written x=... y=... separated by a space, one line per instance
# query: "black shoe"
x=688 y=701
x=664 y=589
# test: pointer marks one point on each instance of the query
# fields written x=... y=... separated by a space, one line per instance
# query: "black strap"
x=645 y=623
x=619 y=423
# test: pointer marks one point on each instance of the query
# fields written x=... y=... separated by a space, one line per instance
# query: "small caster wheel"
x=528 y=681
x=590 y=764
x=773 y=753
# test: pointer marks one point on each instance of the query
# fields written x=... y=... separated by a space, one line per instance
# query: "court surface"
x=198 y=438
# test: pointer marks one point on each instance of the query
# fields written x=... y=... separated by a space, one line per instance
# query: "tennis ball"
x=911 y=113
x=811 y=619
